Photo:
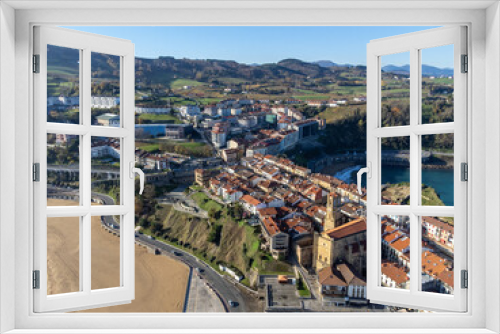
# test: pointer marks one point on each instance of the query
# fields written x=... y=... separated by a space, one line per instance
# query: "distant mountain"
x=166 y=69
x=329 y=63
x=427 y=70
x=325 y=63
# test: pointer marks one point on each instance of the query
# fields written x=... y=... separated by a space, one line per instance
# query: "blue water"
x=439 y=179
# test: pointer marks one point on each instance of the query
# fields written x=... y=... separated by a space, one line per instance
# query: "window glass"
x=63 y=85
x=395 y=165
x=105 y=252
x=106 y=160
x=105 y=90
x=395 y=89
x=437 y=84
x=63 y=167
x=63 y=253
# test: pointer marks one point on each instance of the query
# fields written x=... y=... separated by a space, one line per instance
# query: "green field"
x=196 y=149
x=151 y=148
x=231 y=80
x=442 y=81
x=313 y=97
x=153 y=118
x=180 y=83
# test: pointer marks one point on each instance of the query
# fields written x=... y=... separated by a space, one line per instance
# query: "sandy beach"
x=160 y=281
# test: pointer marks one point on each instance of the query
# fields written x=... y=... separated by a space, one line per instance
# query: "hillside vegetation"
x=236 y=244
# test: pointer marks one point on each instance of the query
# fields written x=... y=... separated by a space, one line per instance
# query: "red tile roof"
x=250 y=200
x=395 y=273
x=350 y=228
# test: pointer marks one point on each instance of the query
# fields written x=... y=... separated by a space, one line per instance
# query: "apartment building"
x=276 y=240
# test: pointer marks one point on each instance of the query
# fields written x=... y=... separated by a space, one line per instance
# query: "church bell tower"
x=330 y=216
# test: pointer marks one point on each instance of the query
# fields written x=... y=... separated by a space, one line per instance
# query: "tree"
x=212 y=214
x=237 y=211
x=157 y=228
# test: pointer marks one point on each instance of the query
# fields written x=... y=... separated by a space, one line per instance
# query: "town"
x=313 y=222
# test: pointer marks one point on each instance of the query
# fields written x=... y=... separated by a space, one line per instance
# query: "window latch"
x=133 y=171
x=368 y=171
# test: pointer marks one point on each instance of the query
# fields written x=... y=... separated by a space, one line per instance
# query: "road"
x=201 y=298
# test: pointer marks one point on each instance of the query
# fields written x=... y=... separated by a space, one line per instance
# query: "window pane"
x=63 y=253
x=395 y=89
x=396 y=170
x=105 y=85
x=105 y=252
x=63 y=167
x=395 y=237
x=63 y=85
x=437 y=254
x=437 y=169
x=437 y=84
x=105 y=170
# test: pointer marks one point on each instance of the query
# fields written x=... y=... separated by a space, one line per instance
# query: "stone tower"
x=330 y=211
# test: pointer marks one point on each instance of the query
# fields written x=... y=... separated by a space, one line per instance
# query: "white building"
x=104 y=102
x=63 y=100
x=144 y=110
x=236 y=111
x=223 y=112
x=105 y=150
x=189 y=111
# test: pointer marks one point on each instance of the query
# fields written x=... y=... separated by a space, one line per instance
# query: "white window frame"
x=85 y=43
x=413 y=43
x=484 y=50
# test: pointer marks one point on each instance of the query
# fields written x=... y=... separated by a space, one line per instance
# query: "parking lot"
x=281 y=296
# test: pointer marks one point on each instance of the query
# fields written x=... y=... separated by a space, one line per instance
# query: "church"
x=340 y=242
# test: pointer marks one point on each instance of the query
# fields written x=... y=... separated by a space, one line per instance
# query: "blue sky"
x=265 y=44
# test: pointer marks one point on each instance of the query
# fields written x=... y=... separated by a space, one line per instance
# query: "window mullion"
x=415 y=169
x=86 y=175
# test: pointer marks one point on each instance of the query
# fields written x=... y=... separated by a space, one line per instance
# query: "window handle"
x=133 y=171
x=368 y=172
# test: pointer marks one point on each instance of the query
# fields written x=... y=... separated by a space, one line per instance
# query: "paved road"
x=201 y=297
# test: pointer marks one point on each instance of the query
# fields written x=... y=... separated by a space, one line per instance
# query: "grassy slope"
x=239 y=243
x=206 y=203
